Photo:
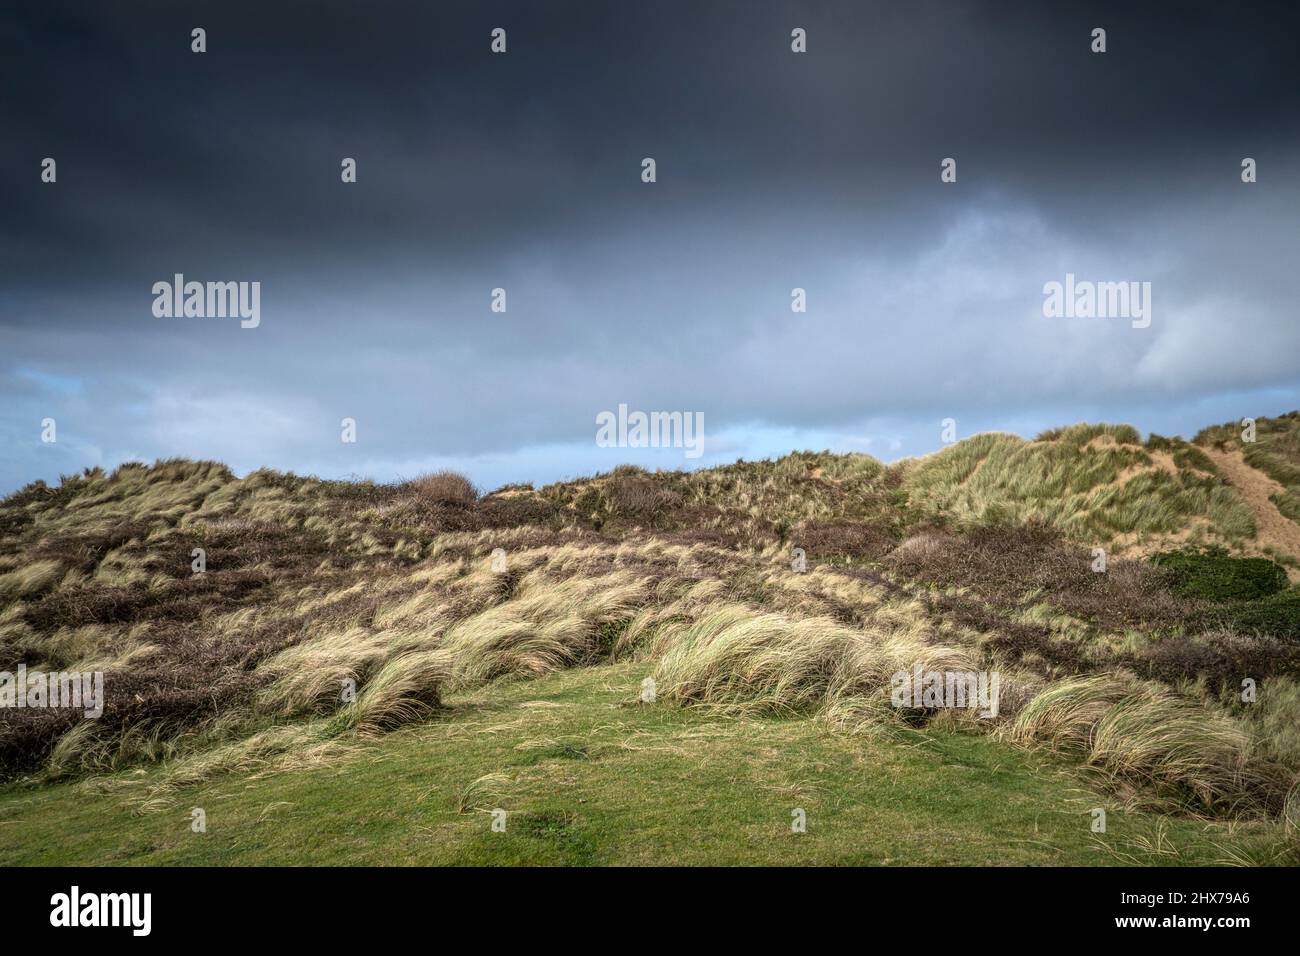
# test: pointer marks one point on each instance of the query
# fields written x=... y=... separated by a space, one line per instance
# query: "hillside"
x=348 y=627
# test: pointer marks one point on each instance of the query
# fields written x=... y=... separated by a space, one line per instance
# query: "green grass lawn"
x=589 y=777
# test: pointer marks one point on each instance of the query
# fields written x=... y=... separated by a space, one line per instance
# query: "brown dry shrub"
x=246 y=543
x=83 y=549
x=1221 y=657
x=922 y=555
x=185 y=599
x=1007 y=564
x=192 y=678
x=633 y=495
x=514 y=511
x=1176 y=658
x=828 y=540
x=28 y=735
x=442 y=488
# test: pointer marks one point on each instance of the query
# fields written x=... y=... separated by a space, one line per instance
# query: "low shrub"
x=837 y=540
x=1005 y=564
x=1212 y=574
x=1220 y=656
x=632 y=495
x=442 y=488
x=1275 y=616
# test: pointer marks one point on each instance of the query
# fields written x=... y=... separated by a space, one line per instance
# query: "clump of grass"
x=761 y=661
x=406 y=688
x=548 y=625
x=30 y=580
x=1145 y=735
x=1175 y=748
x=735 y=658
x=482 y=791
x=69 y=754
x=1275 y=720
x=1065 y=713
x=309 y=678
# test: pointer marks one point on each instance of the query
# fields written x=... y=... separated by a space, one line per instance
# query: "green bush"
x=1213 y=575
x=1275 y=616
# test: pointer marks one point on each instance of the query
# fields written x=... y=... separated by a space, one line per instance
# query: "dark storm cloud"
x=522 y=171
x=165 y=152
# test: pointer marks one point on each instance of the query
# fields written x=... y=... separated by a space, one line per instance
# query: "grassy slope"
x=587 y=777
x=1096 y=483
x=312 y=581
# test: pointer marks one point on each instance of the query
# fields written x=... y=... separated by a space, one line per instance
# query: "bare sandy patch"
x=1273 y=529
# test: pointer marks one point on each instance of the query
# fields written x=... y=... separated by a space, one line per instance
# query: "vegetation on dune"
x=1275 y=452
x=1245 y=595
x=329 y=614
x=1277 y=615
x=1093 y=482
x=1214 y=575
x=1157 y=740
x=441 y=488
x=587 y=777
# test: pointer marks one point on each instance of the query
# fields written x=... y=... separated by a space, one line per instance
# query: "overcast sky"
x=522 y=171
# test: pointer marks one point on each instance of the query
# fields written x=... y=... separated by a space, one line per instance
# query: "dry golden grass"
x=30 y=581
x=1145 y=735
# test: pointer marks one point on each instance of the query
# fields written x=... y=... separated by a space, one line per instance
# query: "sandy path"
x=1273 y=528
